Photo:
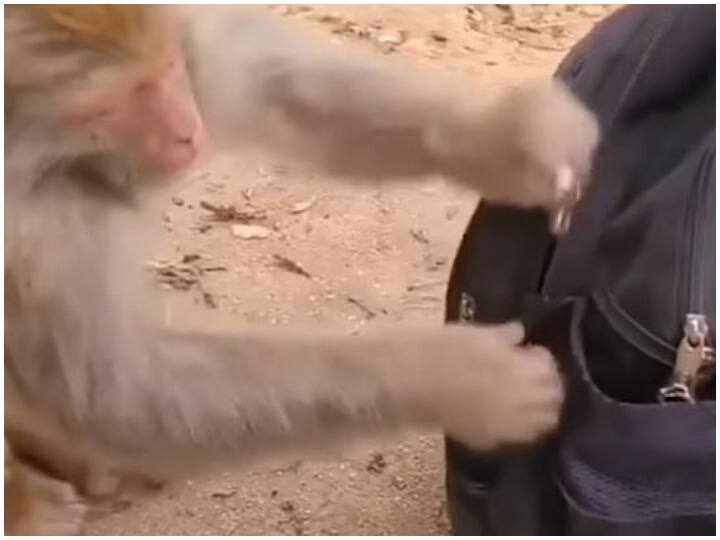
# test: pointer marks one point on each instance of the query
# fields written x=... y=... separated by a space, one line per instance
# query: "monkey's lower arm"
x=172 y=402
x=357 y=116
x=197 y=397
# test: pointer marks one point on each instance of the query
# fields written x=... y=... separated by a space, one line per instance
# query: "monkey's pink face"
x=148 y=111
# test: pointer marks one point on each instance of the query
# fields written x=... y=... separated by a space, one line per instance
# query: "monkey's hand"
x=533 y=147
x=42 y=506
x=486 y=390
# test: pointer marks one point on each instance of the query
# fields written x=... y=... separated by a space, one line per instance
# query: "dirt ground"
x=335 y=255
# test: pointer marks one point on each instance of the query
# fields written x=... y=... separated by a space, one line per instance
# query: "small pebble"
x=250 y=232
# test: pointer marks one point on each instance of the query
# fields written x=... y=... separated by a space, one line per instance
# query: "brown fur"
x=130 y=30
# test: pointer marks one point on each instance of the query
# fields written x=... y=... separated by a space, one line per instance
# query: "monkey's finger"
x=547 y=397
x=524 y=427
x=565 y=183
x=511 y=333
x=535 y=358
x=533 y=429
x=536 y=366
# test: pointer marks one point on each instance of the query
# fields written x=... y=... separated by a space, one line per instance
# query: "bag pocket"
x=624 y=360
x=631 y=468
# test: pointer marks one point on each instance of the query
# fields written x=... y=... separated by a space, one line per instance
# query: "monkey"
x=105 y=106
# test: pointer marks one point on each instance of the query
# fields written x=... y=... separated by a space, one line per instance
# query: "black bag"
x=625 y=300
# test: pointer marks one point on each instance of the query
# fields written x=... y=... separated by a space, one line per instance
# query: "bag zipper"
x=695 y=356
x=693 y=359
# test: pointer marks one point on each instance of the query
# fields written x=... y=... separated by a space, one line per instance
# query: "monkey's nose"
x=172 y=154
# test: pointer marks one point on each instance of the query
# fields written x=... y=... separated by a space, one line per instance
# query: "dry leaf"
x=230 y=213
x=420 y=235
x=290 y=266
x=303 y=206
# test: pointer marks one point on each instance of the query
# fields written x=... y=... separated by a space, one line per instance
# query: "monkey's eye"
x=105 y=112
x=145 y=87
x=89 y=115
x=159 y=76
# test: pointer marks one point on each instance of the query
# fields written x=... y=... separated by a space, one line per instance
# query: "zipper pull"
x=467 y=308
x=691 y=356
x=560 y=220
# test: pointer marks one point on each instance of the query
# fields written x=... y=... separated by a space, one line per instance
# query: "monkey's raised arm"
x=358 y=116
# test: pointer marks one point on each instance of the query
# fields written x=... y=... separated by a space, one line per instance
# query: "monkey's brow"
x=56 y=51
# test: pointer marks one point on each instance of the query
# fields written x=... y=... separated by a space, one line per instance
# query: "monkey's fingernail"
x=565 y=182
x=512 y=332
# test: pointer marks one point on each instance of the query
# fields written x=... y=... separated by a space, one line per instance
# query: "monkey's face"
x=145 y=110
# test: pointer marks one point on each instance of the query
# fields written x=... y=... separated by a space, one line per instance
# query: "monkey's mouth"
x=181 y=156
x=173 y=157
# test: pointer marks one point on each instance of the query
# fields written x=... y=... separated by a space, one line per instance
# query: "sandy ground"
x=337 y=255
